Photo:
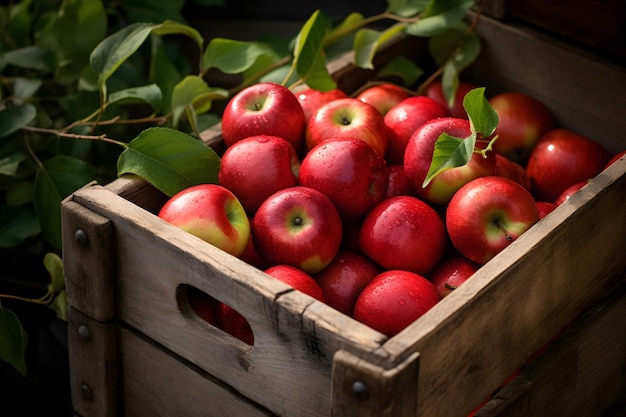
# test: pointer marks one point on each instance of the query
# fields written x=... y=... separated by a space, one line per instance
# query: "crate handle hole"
x=216 y=313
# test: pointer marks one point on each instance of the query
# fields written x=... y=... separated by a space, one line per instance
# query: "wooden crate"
x=137 y=349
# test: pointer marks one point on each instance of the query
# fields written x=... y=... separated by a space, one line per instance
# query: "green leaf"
x=406 y=8
x=232 y=56
x=10 y=163
x=54 y=265
x=111 y=53
x=440 y=17
x=403 y=67
x=454 y=50
x=13 y=340
x=368 y=41
x=150 y=94
x=482 y=116
x=60 y=304
x=170 y=27
x=193 y=91
x=169 y=160
x=449 y=152
x=26 y=87
x=163 y=72
x=309 y=59
x=59 y=177
x=20 y=193
x=14 y=118
x=31 y=57
x=17 y=224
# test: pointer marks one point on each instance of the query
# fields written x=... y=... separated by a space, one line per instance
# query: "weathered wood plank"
x=88 y=260
x=93 y=366
x=157 y=383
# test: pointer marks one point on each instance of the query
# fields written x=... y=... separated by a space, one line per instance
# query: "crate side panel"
x=581 y=373
x=488 y=327
x=157 y=383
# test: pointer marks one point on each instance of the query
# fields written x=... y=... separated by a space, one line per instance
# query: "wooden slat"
x=157 y=383
x=88 y=261
x=582 y=373
x=93 y=366
x=476 y=337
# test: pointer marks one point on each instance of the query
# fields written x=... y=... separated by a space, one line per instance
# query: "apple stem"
x=297 y=221
x=345 y=121
x=450 y=287
x=507 y=236
x=487 y=148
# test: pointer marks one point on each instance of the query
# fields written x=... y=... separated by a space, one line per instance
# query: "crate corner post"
x=365 y=389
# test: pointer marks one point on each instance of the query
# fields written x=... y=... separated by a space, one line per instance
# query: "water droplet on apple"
x=262 y=139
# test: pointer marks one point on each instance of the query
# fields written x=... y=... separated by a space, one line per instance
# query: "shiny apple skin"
x=404 y=233
x=349 y=171
x=562 y=158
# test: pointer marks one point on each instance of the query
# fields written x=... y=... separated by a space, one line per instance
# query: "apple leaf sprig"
x=453 y=152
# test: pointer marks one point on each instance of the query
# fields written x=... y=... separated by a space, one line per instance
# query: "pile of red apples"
x=327 y=193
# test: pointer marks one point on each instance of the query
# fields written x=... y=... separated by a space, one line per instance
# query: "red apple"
x=487 y=214
x=419 y=154
x=344 y=278
x=349 y=171
x=435 y=91
x=232 y=322
x=393 y=300
x=297 y=226
x=212 y=213
x=544 y=208
x=510 y=169
x=202 y=304
x=264 y=109
x=522 y=120
x=251 y=256
x=403 y=233
x=298 y=279
x=452 y=272
x=569 y=191
x=347 y=117
x=562 y=158
x=311 y=100
x=403 y=119
x=398 y=183
x=383 y=96
x=256 y=167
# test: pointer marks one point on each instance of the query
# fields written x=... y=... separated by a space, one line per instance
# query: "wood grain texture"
x=158 y=383
x=583 y=373
x=362 y=389
x=94 y=381
x=88 y=265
